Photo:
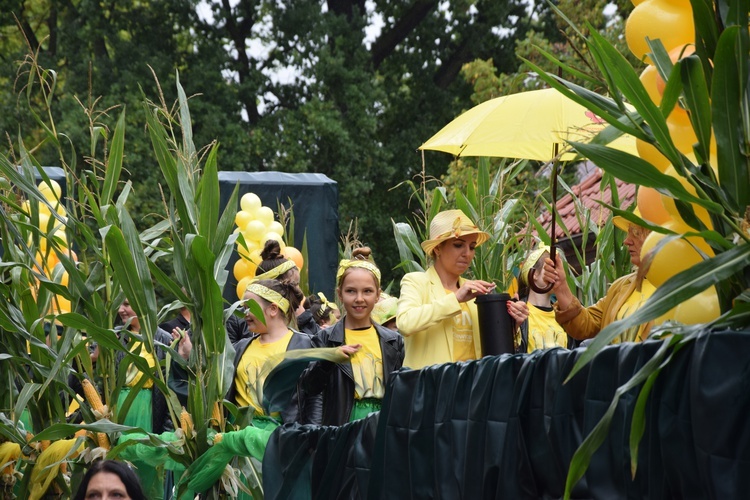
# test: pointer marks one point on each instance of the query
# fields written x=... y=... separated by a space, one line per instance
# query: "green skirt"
x=140 y=415
x=363 y=407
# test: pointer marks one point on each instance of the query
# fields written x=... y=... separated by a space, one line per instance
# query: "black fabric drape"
x=507 y=427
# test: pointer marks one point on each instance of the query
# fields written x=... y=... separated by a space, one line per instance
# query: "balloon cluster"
x=671 y=21
x=52 y=236
x=257 y=225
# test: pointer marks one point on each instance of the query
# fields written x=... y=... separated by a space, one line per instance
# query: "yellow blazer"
x=425 y=319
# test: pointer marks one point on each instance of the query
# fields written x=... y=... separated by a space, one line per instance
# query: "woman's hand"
x=185 y=344
x=473 y=288
x=518 y=310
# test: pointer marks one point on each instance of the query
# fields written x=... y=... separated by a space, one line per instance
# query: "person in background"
x=355 y=387
x=181 y=321
x=541 y=330
x=257 y=355
x=322 y=311
x=436 y=311
x=623 y=297
x=110 y=480
x=275 y=266
x=385 y=311
x=149 y=408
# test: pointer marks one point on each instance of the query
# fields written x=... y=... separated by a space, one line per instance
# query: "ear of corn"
x=93 y=398
x=217 y=416
x=92 y=395
x=186 y=422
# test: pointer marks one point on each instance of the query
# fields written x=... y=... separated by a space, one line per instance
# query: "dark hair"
x=320 y=312
x=272 y=258
x=290 y=291
x=122 y=470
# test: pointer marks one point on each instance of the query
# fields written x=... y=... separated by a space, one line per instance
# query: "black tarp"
x=314 y=200
x=506 y=427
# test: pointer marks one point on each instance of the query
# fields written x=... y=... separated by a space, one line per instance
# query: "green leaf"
x=729 y=97
x=114 y=163
x=698 y=101
x=633 y=169
x=131 y=268
x=208 y=200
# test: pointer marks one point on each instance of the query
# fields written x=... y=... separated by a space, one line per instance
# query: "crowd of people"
x=433 y=321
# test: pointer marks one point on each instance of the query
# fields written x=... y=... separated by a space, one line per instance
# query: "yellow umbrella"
x=531 y=125
x=534 y=125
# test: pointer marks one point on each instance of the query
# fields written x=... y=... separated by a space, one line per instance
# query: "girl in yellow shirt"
x=355 y=388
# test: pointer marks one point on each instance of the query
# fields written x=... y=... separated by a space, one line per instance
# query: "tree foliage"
x=302 y=86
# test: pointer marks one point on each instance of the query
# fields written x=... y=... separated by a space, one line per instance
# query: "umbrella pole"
x=553 y=229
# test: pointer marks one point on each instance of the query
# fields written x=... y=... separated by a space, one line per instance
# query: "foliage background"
x=356 y=111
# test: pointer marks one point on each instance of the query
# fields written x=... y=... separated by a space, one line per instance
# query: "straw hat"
x=451 y=224
x=621 y=222
x=385 y=310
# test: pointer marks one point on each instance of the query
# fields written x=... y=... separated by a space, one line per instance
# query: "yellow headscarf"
x=326 y=304
x=271 y=296
x=363 y=264
x=276 y=271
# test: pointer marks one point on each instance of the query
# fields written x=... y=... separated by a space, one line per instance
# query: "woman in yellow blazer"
x=436 y=311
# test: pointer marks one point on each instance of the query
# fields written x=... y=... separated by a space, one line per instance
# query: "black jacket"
x=300 y=408
x=336 y=380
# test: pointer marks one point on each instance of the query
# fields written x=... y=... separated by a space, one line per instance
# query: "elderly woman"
x=623 y=297
x=436 y=311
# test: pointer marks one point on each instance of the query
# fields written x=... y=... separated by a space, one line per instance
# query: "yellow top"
x=463 y=334
x=425 y=319
x=636 y=300
x=134 y=374
x=544 y=330
x=367 y=363
x=254 y=367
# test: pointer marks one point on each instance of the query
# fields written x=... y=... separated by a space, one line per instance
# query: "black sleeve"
x=236 y=329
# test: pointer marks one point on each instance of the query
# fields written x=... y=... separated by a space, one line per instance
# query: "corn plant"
x=712 y=87
x=112 y=260
x=494 y=210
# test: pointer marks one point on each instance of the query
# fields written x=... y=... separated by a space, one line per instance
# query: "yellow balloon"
x=671 y=208
x=295 y=255
x=676 y=256
x=243 y=268
x=648 y=78
x=276 y=227
x=252 y=249
x=250 y=202
x=650 y=206
x=265 y=215
x=671 y=23
x=60 y=305
x=700 y=308
x=64 y=278
x=242 y=286
x=51 y=191
x=254 y=230
x=255 y=257
x=242 y=218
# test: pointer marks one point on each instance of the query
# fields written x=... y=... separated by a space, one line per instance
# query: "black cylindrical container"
x=495 y=324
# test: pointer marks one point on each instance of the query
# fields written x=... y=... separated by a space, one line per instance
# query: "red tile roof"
x=587 y=192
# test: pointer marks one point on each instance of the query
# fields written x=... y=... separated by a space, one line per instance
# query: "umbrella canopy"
x=525 y=125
